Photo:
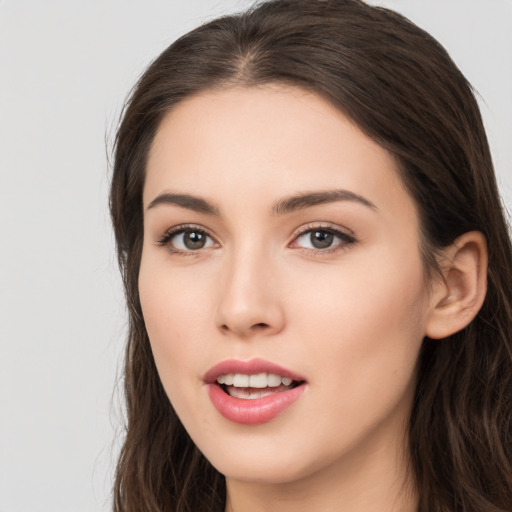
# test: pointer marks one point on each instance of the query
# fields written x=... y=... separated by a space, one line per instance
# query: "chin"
x=275 y=459
x=269 y=472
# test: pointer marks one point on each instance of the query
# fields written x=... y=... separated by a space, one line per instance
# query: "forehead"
x=266 y=142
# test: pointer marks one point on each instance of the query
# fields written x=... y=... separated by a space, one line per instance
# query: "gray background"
x=65 y=69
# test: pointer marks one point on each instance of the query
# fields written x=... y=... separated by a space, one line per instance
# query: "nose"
x=249 y=302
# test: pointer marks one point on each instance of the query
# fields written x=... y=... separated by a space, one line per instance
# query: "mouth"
x=252 y=392
x=254 y=386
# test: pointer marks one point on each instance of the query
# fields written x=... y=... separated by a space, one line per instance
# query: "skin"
x=350 y=318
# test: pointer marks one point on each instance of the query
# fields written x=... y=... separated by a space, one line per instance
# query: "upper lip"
x=252 y=367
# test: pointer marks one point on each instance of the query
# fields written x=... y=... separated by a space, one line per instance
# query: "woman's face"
x=280 y=245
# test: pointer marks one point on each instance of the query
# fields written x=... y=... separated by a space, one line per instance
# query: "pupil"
x=321 y=239
x=194 y=240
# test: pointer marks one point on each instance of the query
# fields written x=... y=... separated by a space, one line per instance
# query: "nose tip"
x=249 y=304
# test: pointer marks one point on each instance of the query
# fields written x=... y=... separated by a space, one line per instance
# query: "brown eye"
x=186 y=239
x=321 y=239
x=194 y=240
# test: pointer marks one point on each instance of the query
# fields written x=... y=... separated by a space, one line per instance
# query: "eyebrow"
x=283 y=206
x=185 y=201
x=308 y=199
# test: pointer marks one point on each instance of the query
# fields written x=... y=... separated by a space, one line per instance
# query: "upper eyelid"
x=326 y=226
x=187 y=227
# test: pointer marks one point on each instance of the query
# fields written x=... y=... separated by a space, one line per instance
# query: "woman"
x=317 y=269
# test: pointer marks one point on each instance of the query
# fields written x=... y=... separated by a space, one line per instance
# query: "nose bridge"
x=249 y=296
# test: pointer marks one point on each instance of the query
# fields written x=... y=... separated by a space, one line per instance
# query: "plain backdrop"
x=65 y=69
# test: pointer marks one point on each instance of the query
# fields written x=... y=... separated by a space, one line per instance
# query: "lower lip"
x=256 y=411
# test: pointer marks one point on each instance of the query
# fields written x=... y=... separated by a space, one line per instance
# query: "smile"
x=252 y=392
x=250 y=387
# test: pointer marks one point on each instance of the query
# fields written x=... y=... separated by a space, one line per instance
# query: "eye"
x=182 y=239
x=322 y=238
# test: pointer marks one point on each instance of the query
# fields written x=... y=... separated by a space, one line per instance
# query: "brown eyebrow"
x=185 y=201
x=306 y=200
x=287 y=205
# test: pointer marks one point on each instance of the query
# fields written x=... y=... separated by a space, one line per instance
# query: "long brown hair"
x=400 y=86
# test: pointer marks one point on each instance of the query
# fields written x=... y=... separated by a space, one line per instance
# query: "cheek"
x=170 y=308
x=364 y=331
x=379 y=292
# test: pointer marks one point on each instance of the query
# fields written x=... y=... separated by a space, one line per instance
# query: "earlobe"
x=458 y=295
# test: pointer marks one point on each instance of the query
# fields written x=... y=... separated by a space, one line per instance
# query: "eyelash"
x=166 y=238
x=345 y=239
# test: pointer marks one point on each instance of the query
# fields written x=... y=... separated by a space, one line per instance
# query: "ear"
x=459 y=294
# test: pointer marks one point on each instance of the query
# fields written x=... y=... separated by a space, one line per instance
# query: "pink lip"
x=256 y=411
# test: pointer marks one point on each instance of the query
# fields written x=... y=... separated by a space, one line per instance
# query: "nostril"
x=261 y=325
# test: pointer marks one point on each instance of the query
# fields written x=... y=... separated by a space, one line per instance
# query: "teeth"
x=240 y=380
x=273 y=380
x=260 y=380
x=249 y=394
